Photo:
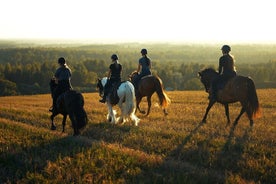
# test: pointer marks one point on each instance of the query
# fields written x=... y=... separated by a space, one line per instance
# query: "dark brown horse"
x=146 y=87
x=69 y=103
x=238 y=89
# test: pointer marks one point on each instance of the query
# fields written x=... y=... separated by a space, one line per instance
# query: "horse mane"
x=209 y=70
x=132 y=74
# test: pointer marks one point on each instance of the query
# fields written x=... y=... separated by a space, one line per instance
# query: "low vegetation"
x=171 y=149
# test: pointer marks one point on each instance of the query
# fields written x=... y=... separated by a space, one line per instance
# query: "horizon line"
x=117 y=41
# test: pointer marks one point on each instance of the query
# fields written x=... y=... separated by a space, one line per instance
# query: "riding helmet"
x=144 y=51
x=61 y=61
x=226 y=48
x=114 y=57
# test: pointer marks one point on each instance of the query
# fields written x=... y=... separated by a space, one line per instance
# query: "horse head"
x=207 y=76
x=53 y=85
x=132 y=75
x=100 y=85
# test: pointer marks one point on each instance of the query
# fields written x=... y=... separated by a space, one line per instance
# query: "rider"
x=144 y=67
x=226 y=70
x=62 y=77
x=114 y=75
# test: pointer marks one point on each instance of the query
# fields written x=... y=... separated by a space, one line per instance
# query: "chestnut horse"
x=237 y=89
x=146 y=87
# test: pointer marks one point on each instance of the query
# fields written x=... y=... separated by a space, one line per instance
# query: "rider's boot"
x=53 y=106
x=103 y=99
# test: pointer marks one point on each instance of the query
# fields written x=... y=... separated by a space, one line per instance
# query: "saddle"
x=146 y=76
x=221 y=84
x=113 y=95
x=60 y=100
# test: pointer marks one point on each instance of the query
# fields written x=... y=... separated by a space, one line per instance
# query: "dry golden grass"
x=172 y=149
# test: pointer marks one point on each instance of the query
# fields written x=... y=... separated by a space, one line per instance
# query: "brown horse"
x=146 y=87
x=238 y=89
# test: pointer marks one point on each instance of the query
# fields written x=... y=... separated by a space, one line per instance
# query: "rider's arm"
x=220 y=65
x=109 y=74
x=139 y=67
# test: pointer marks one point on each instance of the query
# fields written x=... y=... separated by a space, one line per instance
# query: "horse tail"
x=163 y=98
x=130 y=101
x=253 y=102
x=79 y=112
x=129 y=98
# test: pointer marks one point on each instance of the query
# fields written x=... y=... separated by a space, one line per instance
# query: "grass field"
x=172 y=149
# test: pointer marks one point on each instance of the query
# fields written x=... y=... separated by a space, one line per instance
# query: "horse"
x=69 y=103
x=124 y=97
x=237 y=89
x=146 y=87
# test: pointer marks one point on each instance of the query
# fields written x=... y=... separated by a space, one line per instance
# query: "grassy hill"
x=172 y=149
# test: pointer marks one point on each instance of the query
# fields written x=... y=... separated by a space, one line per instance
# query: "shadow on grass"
x=177 y=152
x=109 y=132
x=15 y=166
x=197 y=164
x=230 y=158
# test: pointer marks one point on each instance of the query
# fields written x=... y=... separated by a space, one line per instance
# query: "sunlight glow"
x=143 y=20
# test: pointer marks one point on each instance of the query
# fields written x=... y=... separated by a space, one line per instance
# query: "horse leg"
x=138 y=100
x=211 y=103
x=111 y=113
x=74 y=124
x=149 y=104
x=64 y=123
x=251 y=122
x=250 y=117
x=123 y=113
x=53 y=126
x=165 y=112
x=227 y=114
x=237 y=119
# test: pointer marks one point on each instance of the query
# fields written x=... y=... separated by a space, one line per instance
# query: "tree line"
x=28 y=70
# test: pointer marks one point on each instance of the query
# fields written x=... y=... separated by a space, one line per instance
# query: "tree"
x=7 y=88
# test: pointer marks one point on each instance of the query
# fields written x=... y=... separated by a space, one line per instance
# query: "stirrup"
x=102 y=100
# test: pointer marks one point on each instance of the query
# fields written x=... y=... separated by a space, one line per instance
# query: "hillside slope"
x=172 y=149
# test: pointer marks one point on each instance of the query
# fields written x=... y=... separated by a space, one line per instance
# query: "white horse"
x=127 y=102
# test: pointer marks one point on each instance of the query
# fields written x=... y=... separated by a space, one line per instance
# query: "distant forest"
x=27 y=68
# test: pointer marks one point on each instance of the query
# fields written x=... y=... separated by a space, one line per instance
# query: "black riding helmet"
x=114 y=57
x=144 y=51
x=226 y=48
x=61 y=61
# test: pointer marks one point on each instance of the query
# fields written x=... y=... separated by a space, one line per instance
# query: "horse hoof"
x=53 y=127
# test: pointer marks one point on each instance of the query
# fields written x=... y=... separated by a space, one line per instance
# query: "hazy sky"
x=140 y=20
